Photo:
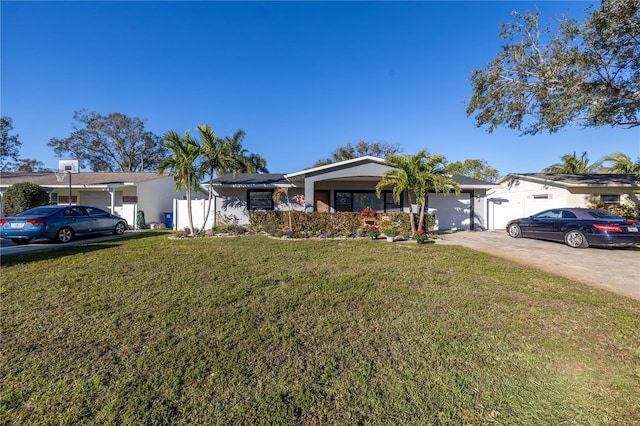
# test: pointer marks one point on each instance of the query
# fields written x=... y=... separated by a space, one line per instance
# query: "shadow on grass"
x=56 y=251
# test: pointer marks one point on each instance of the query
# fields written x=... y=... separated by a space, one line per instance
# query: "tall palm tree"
x=216 y=155
x=621 y=163
x=181 y=164
x=401 y=178
x=432 y=176
x=245 y=161
x=255 y=163
x=571 y=164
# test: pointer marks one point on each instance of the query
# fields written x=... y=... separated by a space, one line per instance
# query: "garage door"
x=452 y=212
x=100 y=199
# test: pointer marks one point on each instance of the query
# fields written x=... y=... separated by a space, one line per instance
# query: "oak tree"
x=111 y=143
x=379 y=149
x=544 y=79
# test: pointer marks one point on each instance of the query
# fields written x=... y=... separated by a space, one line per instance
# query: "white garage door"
x=100 y=199
x=452 y=212
x=502 y=210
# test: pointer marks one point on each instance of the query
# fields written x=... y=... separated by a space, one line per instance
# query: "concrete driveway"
x=616 y=270
x=7 y=247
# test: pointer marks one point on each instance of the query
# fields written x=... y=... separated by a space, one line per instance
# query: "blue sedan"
x=60 y=223
x=578 y=228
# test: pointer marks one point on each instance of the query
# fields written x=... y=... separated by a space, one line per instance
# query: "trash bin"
x=140 y=222
x=168 y=220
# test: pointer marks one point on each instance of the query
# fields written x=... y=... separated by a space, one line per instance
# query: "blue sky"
x=301 y=78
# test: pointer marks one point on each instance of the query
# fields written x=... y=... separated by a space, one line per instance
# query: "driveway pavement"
x=616 y=270
x=7 y=247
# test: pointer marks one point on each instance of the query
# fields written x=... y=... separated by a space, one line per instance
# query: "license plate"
x=17 y=225
x=632 y=228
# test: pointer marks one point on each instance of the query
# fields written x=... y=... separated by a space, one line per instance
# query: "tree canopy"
x=243 y=161
x=478 y=169
x=571 y=164
x=361 y=149
x=10 y=150
x=9 y=144
x=581 y=72
x=111 y=143
x=621 y=163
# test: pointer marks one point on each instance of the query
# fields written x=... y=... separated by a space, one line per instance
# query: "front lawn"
x=253 y=330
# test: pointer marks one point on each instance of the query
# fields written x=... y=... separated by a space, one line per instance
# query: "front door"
x=321 y=201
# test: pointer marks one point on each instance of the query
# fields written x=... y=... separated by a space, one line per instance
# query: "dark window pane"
x=343 y=201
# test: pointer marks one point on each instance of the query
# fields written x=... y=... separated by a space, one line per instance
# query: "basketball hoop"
x=60 y=176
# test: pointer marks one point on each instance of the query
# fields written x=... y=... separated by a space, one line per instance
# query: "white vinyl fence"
x=198 y=210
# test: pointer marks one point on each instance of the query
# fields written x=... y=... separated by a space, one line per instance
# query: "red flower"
x=420 y=231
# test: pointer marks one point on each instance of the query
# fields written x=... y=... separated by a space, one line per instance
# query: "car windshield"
x=36 y=211
x=603 y=214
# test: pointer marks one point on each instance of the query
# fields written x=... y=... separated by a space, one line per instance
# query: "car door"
x=77 y=218
x=101 y=219
x=544 y=224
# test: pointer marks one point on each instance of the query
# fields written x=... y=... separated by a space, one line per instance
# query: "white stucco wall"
x=155 y=197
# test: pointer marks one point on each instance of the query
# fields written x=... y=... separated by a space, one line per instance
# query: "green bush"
x=628 y=211
x=320 y=224
x=23 y=196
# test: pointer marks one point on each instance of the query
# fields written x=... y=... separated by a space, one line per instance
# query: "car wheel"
x=21 y=241
x=120 y=228
x=64 y=235
x=575 y=239
x=514 y=231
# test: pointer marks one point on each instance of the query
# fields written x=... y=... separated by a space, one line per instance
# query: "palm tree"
x=417 y=174
x=181 y=164
x=255 y=163
x=573 y=165
x=216 y=155
x=402 y=178
x=277 y=195
x=431 y=173
x=621 y=163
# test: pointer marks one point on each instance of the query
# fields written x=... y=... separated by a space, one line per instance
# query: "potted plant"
x=368 y=212
x=422 y=237
x=391 y=233
x=368 y=216
x=373 y=231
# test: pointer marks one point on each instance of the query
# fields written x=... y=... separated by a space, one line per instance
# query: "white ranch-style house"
x=524 y=194
x=346 y=186
x=123 y=194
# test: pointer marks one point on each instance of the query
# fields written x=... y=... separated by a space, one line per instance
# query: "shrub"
x=628 y=211
x=23 y=196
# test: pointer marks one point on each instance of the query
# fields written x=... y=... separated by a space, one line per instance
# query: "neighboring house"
x=124 y=194
x=524 y=194
x=344 y=186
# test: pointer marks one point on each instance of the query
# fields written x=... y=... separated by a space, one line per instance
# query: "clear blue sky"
x=301 y=78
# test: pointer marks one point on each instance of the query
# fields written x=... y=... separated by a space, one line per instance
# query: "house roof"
x=252 y=180
x=339 y=164
x=274 y=180
x=467 y=182
x=570 y=180
x=48 y=179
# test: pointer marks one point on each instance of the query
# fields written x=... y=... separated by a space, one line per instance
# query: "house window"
x=389 y=204
x=355 y=201
x=260 y=200
x=344 y=202
x=53 y=198
x=610 y=199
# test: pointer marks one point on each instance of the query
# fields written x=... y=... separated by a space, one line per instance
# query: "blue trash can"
x=168 y=220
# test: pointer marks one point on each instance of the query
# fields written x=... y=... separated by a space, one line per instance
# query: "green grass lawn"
x=251 y=330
